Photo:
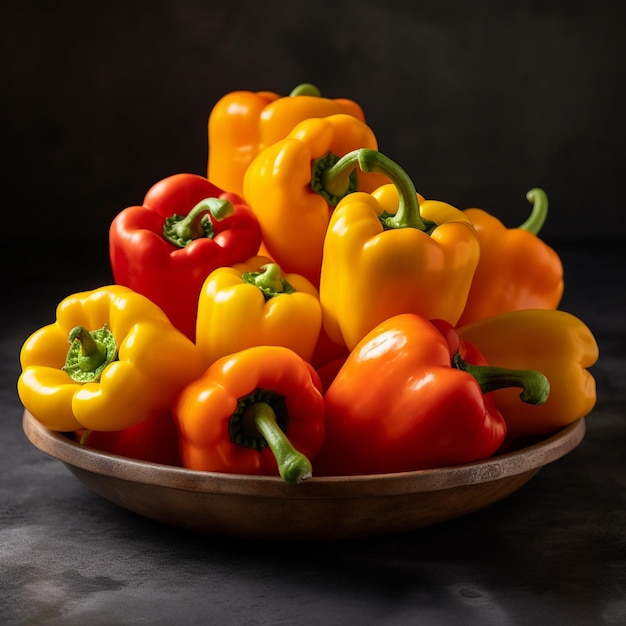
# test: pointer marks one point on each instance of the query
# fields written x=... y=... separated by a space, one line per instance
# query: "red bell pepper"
x=154 y=440
x=329 y=370
x=186 y=228
x=465 y=356
x=405 y=400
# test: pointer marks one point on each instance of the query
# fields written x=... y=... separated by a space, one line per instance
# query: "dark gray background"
x=100 y=100
x=478 y=101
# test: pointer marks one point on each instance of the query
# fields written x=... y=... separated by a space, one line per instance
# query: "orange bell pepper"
x=290 y=191
x=243 y=123
x=516 y=270
x=406 y=400
x=259 y=411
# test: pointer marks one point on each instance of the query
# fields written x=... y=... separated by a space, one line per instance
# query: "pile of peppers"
x=301 y=310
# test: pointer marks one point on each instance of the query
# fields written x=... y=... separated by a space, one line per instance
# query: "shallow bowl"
x=260 y=507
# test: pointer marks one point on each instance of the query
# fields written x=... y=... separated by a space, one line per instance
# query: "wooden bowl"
x=319 y=508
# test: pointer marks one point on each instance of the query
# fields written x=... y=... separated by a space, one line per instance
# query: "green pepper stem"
x=269 y=281
x=538 y=215
x=535 y=386
x=408 y=213
x=183 y=230
x=89 y=353
x=335 y=180
x=293 y=466
x=92 y=352
x=270 y=278
x=305 y=89
x=217 y=207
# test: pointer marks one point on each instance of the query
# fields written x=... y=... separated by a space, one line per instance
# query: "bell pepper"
x=254 y=303
x=326 y=350
x=554 y=342
x=386 y=253
x=186 y=228
x=535 y=387
x=404 y=400
x=259 y=411
x=154 y=440
x=292 y=194
x=329 y=370
x=125 y=362
x=243 y=123
x=516 y=270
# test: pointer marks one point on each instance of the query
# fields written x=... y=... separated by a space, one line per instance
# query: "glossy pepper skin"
x=72 y=386
x=398 y=405
x=387 y=253
x=171 y=274
x=259 y=411
x=290 y=197
x=254 y=303
x=243 y=123
x=154 y=440
x=516 y=270
x=556 y=343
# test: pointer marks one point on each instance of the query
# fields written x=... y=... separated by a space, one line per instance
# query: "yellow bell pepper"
x=554 y=342
x=125 y=362
x=291 y=190
x=386 y=254
x=517 y=270
x=254 y=304
x=243 y=123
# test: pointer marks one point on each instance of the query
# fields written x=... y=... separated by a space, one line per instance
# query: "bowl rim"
x=524 y=460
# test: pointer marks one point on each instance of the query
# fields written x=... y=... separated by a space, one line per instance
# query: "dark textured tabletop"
x=553 y=552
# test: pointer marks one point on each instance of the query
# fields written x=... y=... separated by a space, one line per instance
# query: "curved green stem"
x=408 y=213
x=535 y=386
x=269 y=281
x=293 y=466
x=538 y=215
x=305 y=89
x=89 y=353
x=367 y=160
x=182 y=230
